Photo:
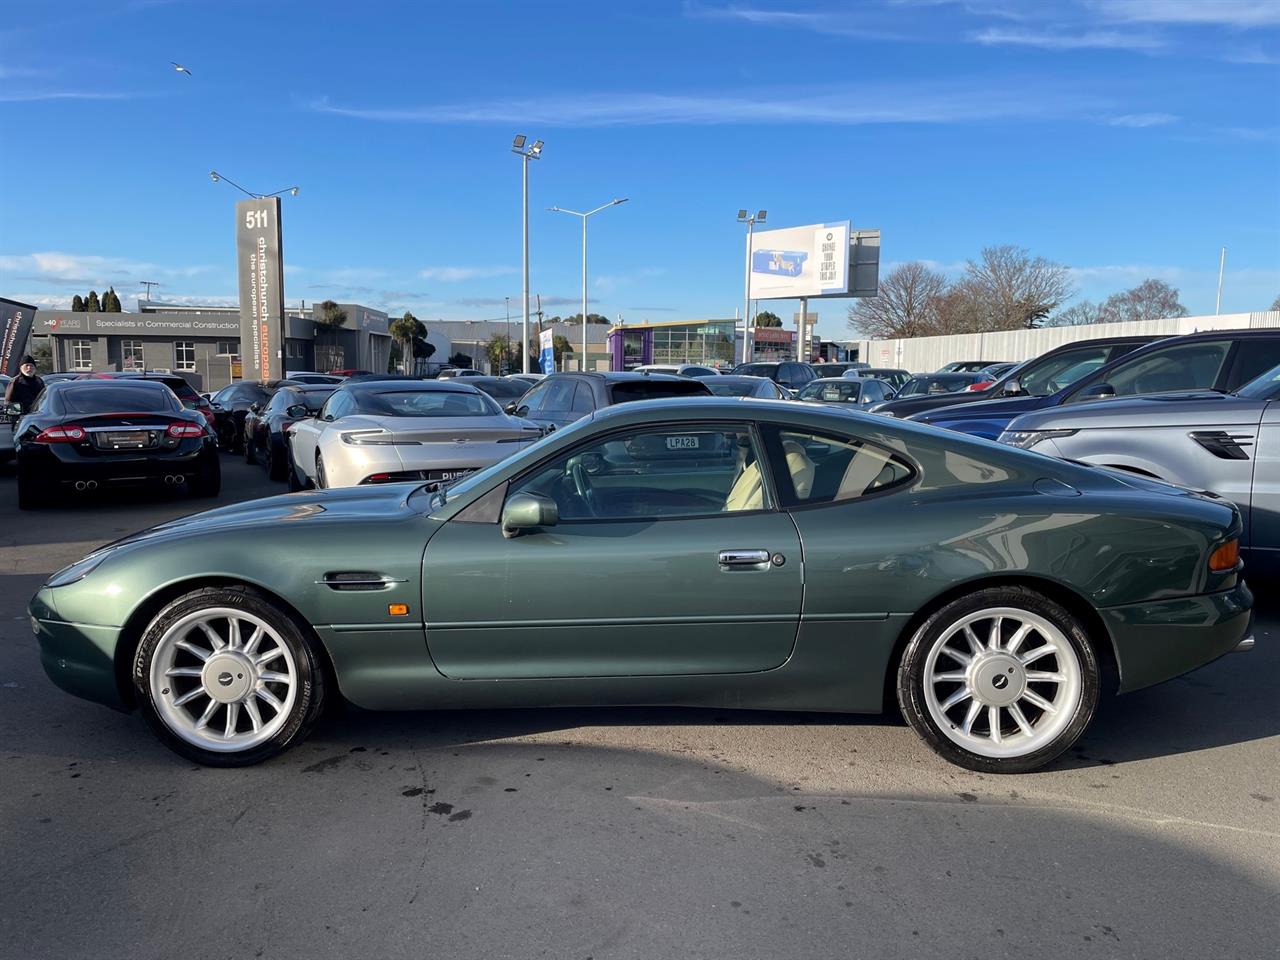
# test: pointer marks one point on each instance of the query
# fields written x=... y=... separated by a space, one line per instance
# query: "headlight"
x=1026 y=439
x=77 y=571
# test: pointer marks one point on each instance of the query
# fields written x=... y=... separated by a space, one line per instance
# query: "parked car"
x=1036 y=377
x=1199 y=439
x=65 y=375
x=731 y=385
x=997 y=370
x=679 y=369
x=529 y=378
x=563 y=398
x=450 y=373
x=231 y=406
x=310 y=376
x=266 y=429
x=932 y=384
x=791 y=374
x=1212 y=360
x=829 y=562
x=351 y=372
x=832 y=368
x=966 y=366
x=859 y=391
x=393 y=431
x=86 y=435
x=502 y=389
x=890 y=375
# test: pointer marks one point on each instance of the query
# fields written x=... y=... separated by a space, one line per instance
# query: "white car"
x=390 y=431
x=679 y=369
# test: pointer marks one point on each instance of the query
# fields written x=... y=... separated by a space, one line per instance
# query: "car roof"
x=410 y=384
x=616 y=376
x=132 y=383
x=733 y=378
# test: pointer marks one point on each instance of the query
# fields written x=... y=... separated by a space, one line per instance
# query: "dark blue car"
x=1212 y=360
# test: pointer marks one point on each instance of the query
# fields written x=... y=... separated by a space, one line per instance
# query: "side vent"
x=357 y=580
x=1223 y=445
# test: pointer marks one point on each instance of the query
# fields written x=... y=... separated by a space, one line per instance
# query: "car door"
x=557 y=409
x=669 y=558
x=1263 y=531
x=304 y=436
x=530 y=406
x=1193 y=365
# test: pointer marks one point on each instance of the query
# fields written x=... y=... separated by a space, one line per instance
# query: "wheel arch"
x=1075 y=604
x=142 y=615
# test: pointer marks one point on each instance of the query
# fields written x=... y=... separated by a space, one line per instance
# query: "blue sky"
x=1124 y=138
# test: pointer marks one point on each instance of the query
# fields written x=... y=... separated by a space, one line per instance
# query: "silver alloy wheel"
x=1002 y=682
x=223 y=679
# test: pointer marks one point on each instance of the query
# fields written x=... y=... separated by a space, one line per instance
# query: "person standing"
x=26 y=386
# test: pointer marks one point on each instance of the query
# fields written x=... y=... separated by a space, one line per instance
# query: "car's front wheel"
x=1001 y=681
x=226 y=678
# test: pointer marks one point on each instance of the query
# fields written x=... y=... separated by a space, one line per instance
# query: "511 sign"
x=259 y=258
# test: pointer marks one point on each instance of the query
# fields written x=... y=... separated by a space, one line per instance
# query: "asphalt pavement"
x=627 y=833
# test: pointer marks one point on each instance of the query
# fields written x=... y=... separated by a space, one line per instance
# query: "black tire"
x=32 y=495
x=912 y=672
x=276 y=461
x=296 y=484
x=208 y=482
x=250 y=449
x=321 y=482
x=308 y=703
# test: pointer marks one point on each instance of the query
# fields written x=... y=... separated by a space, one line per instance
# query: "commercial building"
x=471 y=338
x=203 y=342
x=716 y=343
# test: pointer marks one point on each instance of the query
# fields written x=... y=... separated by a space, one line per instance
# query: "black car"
x=180 y=386
x=893 y=376
x=729 y=385
x=266 y=429
x=859 y=391
x=790 y=373
x=562 y=398
x=933 y=384
x=1032 y=378
x=84 y=435
x=502 y=389
x=833 y=368
x=231 y=405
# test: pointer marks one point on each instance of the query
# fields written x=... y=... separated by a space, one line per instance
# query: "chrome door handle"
x=743 y=558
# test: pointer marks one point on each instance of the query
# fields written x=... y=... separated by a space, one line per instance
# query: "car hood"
x=1189 y=409
x=389 y=501
x=1008 y=407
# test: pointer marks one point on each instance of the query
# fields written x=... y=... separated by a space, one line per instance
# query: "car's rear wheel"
x=226 y=678
x=277 y=459
x=297 y=482
x=1001 y=681
x=322 y=482
x=250 y=450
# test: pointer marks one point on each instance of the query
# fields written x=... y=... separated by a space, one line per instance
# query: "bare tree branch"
x=905 y=306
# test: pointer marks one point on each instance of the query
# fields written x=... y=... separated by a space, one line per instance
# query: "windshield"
x=117 y=399
x=426 y=403
x=1057 y=373
x=652 y=389
x=839 y=391
x=733 y=388
x=942 y=383
x=1261 y=388
x=769 y=370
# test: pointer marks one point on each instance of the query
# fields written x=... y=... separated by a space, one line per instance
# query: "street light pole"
x=508 y=328
x=584 y=216
x=746 y=297
x=533 y=152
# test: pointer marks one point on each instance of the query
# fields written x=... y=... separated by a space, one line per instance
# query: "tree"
x=406 y=332
x=1149 y=300
x=1275 y=304
x=500 y=351
x=1006 y=289
x=560 y=345
x=332 y=316
x=577 y=319
x=1078 y=314
x=460 y=359
x=767 y=318
x=91 y=304
x=906 y=304
x=77 y=304
x=111 y=301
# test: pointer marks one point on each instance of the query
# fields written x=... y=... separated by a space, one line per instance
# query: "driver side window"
x=654 y=474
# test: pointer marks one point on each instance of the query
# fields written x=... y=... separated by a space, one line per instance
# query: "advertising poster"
x=807 y=261
x=15 y=328
x=260 y=262
x=546 y=341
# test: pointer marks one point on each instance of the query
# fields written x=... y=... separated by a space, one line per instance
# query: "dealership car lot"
x=627 y=832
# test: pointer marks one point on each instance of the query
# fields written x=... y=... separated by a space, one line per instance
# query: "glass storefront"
x=707 y=343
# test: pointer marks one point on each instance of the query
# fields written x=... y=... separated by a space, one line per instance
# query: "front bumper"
x=1163 y=639
x=78 y=657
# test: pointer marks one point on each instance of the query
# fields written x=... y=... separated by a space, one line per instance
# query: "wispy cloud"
x=35 y=96
x=654 y=309
x=556 y=301
x=1230 y=13
x=456 y=274
x=1139 y=120
x=609 y=282
x=71 y=268
x=867 y=21
x=1254 y=54
x=1053 y=38
x=917 y=103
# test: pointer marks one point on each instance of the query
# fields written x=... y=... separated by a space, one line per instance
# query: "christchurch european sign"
x=260 y=261
x=15 y=327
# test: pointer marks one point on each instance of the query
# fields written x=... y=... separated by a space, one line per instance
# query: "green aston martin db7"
x=714 y=552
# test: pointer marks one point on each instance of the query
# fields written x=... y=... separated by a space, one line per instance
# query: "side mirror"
x=1013 y=388
x=255 y=408
x=890 y=394
x=528 y=511
x=512 y=407
x=298 y=411
x=1098 y=391
x=11 y=409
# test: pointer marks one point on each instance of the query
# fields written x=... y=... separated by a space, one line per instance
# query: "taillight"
x=70 y=434
x=178 y=430
x=1225 y=557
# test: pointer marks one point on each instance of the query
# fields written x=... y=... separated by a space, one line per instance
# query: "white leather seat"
x=747 y=492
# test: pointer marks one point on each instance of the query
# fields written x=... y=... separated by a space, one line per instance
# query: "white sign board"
x=804 y=261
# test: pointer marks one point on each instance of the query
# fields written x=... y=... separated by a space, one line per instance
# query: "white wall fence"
x=926 y=354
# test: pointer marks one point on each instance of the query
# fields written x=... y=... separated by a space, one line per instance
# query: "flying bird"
x=180 y=68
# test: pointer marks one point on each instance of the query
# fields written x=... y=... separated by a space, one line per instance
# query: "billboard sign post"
x=546 y=340
x=260 y=261
x=15 y=328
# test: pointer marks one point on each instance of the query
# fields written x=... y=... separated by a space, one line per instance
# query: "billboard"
x=807 y=261
x=864 y=264
x=15 y=327
x=260 y=261
x=546 y=341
